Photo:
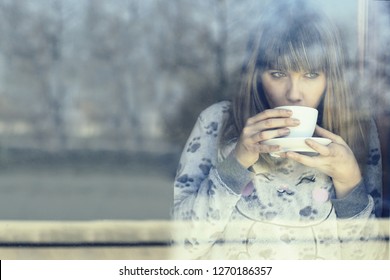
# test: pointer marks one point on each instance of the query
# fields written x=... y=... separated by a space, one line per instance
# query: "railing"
x=94 y=240
x=84 y=240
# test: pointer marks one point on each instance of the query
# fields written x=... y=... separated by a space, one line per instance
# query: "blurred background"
x=98 y=97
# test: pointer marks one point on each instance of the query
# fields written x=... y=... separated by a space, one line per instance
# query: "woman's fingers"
x=322 y=150
x=264 y=126
x=268 y=124
x=269 y=114
x=266 y=149
x=279 y=127
x=322 y=132
x=268 y=134
x=319 y=148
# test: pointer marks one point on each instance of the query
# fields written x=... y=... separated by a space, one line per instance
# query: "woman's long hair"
x=294 y=38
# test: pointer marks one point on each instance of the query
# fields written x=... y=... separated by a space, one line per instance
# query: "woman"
x=236 y=201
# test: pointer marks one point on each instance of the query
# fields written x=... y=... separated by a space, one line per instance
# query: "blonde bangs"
x=293 y=56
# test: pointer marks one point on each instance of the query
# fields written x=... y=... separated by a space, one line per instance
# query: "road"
x=77 y=194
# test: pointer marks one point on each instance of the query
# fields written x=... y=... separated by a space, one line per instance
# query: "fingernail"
x=296 y=121
x=309 y=141
x=284 y=131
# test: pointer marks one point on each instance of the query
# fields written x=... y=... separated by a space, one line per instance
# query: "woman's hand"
x=266 y=125
x=336 y=160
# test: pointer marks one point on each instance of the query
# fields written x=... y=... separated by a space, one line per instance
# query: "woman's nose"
x=293 y=93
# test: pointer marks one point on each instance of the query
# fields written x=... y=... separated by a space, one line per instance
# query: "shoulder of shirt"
x=216 y=111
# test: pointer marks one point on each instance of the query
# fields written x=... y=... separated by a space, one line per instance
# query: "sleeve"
x=203 y=201
x=361 y=232
x=355 y=204
x=373 y=170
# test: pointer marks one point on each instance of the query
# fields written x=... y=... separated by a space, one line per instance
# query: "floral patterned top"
x=224 y=211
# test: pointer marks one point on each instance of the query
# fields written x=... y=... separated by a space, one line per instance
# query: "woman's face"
x=283 y=88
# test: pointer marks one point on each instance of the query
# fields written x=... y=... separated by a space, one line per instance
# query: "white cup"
x=307 y=117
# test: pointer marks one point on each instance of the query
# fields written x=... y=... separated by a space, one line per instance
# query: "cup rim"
x=296 y=106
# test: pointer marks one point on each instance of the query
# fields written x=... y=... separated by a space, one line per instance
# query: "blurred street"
x=66 y=193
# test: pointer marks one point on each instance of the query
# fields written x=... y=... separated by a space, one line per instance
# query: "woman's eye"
x=311 y=75
x=278 y=74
